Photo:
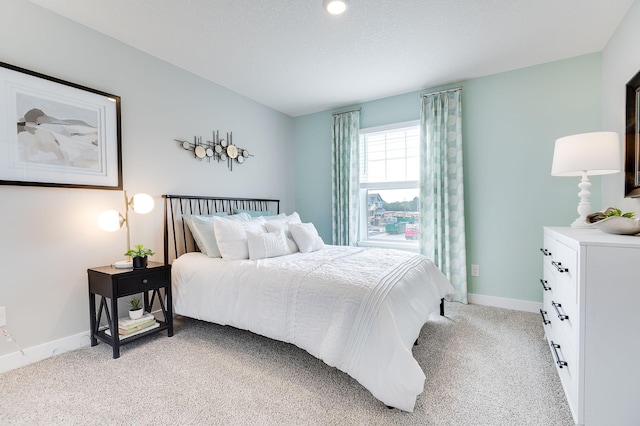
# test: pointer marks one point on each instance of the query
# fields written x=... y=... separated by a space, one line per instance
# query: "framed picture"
x=56 y=133
x=632 y=139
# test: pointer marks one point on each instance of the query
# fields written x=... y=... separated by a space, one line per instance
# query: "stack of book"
x=130 y=327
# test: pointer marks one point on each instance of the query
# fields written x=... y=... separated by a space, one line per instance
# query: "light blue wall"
x=510 y=123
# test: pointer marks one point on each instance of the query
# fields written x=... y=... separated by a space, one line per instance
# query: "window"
x=389 y=175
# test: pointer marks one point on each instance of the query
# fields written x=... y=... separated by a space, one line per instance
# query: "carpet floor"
x=483 y=366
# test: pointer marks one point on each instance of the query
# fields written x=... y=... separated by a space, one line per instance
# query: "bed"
x=359 y=310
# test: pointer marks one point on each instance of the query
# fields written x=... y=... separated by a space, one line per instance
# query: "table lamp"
x=584 y=155
x=112 y=220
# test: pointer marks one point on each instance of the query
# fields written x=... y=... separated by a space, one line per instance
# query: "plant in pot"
x=139 y=256
x=136 y=310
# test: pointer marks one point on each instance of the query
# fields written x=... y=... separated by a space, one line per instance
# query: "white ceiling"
x=294 y=57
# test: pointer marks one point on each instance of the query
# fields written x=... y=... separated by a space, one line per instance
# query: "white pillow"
x=277 y=226
x=306 y=237
x=201 y=228
x=263 y=245
x=231 y=236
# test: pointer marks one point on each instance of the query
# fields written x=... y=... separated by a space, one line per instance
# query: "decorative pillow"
x=306 y=237
x=252 y=213
x=278 y=226
x=231 y=236
x=263 y=245
x=201 y=227
x=241 y=217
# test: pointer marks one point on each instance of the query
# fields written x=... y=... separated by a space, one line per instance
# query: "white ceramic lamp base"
x=584 y=206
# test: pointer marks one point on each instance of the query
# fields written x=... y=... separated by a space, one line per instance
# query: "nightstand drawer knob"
x=145 y=281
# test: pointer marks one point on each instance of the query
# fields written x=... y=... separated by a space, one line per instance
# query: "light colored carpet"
x=484 y=366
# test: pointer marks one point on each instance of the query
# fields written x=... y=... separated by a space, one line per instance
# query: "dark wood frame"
x=62 y=88
x=632 y=139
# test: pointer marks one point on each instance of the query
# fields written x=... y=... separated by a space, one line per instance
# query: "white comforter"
x=359 y=310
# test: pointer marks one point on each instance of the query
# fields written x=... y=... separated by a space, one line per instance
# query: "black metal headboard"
x=177 y=237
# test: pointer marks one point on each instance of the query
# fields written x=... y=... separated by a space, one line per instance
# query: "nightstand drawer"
x=138 y=283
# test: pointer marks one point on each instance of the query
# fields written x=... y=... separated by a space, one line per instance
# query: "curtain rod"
x=441 y=91
x=344 y=112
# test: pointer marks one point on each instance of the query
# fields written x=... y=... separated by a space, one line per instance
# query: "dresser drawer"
x=139 y=283
x=566 y=361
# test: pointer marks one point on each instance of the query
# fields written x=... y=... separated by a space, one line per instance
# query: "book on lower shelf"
x=128 y=327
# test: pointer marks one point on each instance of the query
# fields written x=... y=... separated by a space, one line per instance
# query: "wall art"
x=220 y=150
x=56 y=133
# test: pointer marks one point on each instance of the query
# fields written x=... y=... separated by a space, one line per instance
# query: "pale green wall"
x=510 y=123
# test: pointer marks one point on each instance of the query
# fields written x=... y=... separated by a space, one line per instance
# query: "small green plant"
x=611 y=211
x=139 y=251
x=135 y=304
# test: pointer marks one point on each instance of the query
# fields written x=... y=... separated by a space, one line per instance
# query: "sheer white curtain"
x=345 y=176
x=442 y=236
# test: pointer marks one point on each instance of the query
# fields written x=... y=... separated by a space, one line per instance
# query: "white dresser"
x=591 y=317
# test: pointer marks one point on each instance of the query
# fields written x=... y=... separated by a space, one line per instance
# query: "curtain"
x=441 y=188
x=345 y=176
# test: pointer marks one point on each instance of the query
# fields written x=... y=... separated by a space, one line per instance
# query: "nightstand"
x=112 y=283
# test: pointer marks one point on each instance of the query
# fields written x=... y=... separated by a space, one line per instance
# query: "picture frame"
x=632 y=139
x=57 y=134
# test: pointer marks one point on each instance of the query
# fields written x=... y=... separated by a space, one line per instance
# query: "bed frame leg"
x=442 y=307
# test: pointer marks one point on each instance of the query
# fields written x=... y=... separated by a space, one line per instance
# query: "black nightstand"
x=111 y=283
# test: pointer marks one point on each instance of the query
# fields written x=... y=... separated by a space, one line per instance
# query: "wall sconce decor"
x=216 y=149
x=112 y=220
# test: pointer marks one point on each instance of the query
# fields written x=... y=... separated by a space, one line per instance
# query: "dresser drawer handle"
x=556 y=306
x=145 y=281
x=560 y=362
x=559 y=267
x=545 y=252
x=544 y=285
x=544 y=320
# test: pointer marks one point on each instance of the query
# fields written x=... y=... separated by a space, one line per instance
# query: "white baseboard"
x=38 y=353
x=501 y=302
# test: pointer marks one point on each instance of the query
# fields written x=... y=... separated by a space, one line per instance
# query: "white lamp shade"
x=595 y=153
x=142 y=203
x=110 y=220
x=335 y=7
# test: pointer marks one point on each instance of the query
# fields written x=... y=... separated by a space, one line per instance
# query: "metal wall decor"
x=216 y=149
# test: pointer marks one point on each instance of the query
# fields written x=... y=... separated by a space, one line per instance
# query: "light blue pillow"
x=257 y=213
x=252 y=213
x=201 y=227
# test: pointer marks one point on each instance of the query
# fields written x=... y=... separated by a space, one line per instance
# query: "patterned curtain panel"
x=345 y=177
x=441 y=188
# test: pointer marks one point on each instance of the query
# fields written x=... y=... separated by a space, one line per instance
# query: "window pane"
x=393 y=216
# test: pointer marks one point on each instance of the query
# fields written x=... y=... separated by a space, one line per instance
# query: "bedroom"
x=520 y=112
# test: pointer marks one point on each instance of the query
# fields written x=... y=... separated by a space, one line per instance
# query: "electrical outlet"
x=475 y=270
x=3 y=316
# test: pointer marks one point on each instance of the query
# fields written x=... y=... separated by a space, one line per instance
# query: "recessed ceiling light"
x=335 y=7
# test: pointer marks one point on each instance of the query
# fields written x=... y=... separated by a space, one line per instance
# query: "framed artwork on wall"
x=632 y=139
x=55 y=133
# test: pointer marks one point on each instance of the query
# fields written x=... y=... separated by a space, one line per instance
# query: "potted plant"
x=136 y=310
x=139 y=256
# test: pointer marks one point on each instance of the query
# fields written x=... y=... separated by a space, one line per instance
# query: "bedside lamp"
x=112 y=220
x=584 y=155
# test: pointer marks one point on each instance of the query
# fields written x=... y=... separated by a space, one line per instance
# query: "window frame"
x=364 y=187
